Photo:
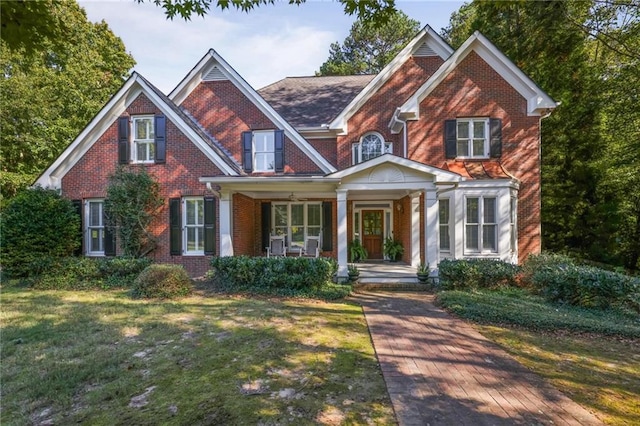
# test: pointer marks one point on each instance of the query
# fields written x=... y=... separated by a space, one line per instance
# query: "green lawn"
x=592 y=356
x=103 y=358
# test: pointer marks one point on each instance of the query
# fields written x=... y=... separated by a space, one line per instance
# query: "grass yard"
x=103 y=358
x=593 y=357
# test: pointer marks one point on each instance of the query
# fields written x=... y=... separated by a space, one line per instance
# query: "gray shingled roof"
x=313 y=101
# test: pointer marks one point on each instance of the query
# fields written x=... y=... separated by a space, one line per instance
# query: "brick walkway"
x=440 y=371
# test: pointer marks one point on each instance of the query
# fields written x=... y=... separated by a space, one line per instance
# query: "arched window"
x=371 y=145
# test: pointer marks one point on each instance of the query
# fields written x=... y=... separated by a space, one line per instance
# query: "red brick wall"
x=88 y=178
x=474 y=89
x=327 y=148
x=225 y=112
x=402 y=225
x=376 y=113
x=244 y=225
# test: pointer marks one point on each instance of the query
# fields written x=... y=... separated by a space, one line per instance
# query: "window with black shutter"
x=263 y=151
x=473 y=138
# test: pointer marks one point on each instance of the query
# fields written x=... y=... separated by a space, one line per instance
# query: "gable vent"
x=214 y=75
x=425 y=50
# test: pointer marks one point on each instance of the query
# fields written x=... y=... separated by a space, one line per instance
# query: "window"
x=471 y=138
x=95 y=227
x=444 y=215
x=194 y=226
x=143 y=140
x=512 y=223
x=371 y=145
x=263 y=151
x=481 y=225
x=297 y=221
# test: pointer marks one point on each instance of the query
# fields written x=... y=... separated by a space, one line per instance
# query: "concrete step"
x=391 y=286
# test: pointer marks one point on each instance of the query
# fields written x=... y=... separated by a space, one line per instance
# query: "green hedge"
x=162 y=281
x=476 y=273
x=560 y=279
x=81 y=273
x=256 y=273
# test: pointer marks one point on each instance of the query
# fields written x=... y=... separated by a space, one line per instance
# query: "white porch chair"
x=311 y=247
x=277 y=246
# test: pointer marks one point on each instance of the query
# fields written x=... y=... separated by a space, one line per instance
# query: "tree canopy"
x=52 y=85
x=376 y=11
x=585 y=54
x=368 y=48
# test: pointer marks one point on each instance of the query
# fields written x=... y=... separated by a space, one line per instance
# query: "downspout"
x=396 y=117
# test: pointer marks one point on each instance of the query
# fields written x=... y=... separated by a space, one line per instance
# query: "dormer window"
x=263 y=151
x=371 y=145
x=142 y=139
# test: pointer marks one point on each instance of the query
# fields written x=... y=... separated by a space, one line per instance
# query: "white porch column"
x=342 y=232
x=415 y=229
x=226 y=242
x=431 y=229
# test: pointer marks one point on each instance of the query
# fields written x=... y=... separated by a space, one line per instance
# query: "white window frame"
x=480 y=224
x=306 y=226
x=270 y=153
x=473 y=122
x=149 y=142
x=513 y=223
x=356 y=149
x=447 y=225
x=89 y=228
x=186 y=226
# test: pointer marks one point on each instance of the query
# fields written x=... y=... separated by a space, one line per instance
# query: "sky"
x=264 y=45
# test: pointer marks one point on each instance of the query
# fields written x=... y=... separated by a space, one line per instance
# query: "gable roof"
x=129 y=91
x=313 y=102
x=426 y=39
x=538 y=102
x=213 y=67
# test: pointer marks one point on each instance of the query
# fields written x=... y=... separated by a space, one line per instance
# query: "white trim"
x=470 y=137
x=427 y=35
x=211 y=59
x=87 y=227
x=134 y=140
x=538 y=102
x=130 y=90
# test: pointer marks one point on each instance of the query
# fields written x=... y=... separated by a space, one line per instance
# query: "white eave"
x=427 y=35
x=117 y=105
x=213 y=59
x=538 y=102
x=439 y=174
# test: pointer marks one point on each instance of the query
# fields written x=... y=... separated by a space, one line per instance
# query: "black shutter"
x=327 y=226
x=209 y=225
x=109 y=235
x=266 y=224
x=77 y=205
x=123 y=140
x=247 y=155
x=279 y=150
x=161 y=138
x=175 y=227
x=450 y=138
x=495 y=125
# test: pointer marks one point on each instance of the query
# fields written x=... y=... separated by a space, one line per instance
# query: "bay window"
x=481 y=225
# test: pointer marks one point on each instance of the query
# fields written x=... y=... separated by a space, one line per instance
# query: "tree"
x=37 y=223
x=375 y=11
x=369 y=48
x=133 y=202
x=50 y=90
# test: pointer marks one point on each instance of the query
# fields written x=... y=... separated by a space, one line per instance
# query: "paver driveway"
x=440 y=371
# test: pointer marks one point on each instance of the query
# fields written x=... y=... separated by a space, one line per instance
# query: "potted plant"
x=357 y=251
x=392 y=249
x=423 y=273
x=353 y=273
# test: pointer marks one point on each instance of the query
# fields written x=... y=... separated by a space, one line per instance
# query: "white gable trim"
x=440 y=175
x=213 y=59
x=428 y=36
x=132 y=88
x=538 y=102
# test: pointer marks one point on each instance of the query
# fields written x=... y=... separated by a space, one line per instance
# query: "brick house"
x=440 y=151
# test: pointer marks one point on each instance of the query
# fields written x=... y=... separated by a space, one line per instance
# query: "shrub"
x=476 y=273
x=162 y=281
x=82 y=273
x=37 y=223
x=563 y=281
x=260 y=273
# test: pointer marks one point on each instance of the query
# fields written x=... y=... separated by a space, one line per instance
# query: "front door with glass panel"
x=372 y=232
